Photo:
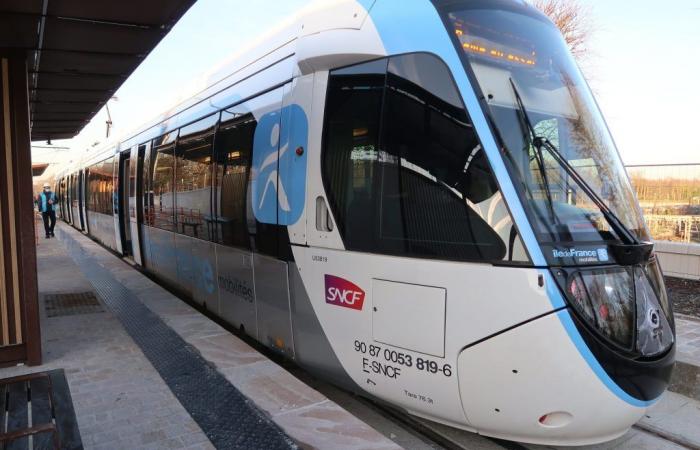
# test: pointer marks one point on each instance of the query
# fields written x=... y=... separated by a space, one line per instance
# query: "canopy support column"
x=20 y=338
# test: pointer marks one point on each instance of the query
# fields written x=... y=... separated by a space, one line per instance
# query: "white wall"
x=679 y=259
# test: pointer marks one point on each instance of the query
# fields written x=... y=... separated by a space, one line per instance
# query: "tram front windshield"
x=515 y=51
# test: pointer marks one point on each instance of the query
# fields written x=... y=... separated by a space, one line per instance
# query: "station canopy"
x=79 y=52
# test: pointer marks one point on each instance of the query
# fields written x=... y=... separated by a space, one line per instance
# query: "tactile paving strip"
x=226 y=416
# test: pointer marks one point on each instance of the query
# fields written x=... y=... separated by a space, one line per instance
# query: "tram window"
x=193 y=178
x=107 y=203
x=132 y=188
x=234 y=148
x=404 y=168
x=162 y=160
x=100 y=187
x=146 y=169
x=352 y=151
x=74 y=190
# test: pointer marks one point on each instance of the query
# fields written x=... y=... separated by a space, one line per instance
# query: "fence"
x=670 y=198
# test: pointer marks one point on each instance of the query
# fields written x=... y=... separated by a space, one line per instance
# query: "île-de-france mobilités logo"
x=279 y=166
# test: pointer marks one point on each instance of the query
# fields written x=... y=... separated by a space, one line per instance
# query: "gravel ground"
x=685 y=295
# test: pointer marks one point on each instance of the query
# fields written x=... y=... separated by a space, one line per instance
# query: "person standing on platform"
x=45 y=201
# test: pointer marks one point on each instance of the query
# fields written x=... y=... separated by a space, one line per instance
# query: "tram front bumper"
x=536 y=384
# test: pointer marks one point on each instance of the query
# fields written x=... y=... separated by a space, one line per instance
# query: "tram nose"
x=544 y=391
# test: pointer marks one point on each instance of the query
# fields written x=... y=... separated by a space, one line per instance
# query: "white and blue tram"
x=417 y=200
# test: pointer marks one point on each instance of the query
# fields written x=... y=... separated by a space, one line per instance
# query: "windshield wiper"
x=540 y=142
x=529 y=135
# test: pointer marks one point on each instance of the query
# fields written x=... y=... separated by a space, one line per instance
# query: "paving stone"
x=133 y=400
x=688 y=337
x=225 y=415
x=676 y=415
x=322 y=425
x=153 y=436
x=106 y=371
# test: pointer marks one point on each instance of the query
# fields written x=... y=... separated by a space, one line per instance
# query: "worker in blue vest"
x=46 y=201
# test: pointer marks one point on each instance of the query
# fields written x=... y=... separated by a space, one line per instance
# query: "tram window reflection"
x=353 y=113
x=193 y=179
x=405 y=170
x=162 y=159
x=146 y=186
x=100 y=186
x=234 y=147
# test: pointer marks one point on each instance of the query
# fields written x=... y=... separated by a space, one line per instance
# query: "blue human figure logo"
x=279 y=169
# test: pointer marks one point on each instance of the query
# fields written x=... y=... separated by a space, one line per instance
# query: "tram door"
x=82 y=179
x=74 y=205
x=273 y=309
x=81 y=200
x=123 y=202
x=69 y=188
x=135 y=200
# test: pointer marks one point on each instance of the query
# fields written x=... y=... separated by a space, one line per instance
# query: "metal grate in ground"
x=71 y=304
x=226 y=416
x=36 y=412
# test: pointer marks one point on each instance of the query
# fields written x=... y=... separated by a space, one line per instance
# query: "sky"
x=644 y=69
x=645 y=73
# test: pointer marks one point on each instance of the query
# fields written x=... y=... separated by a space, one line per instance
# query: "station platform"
x=146 y=370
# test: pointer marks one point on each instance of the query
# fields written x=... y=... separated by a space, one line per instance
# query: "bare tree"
x=573 y=20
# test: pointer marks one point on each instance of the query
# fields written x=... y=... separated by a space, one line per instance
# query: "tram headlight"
x=627 y=306
x=656 y=278
x=654 y=317
x=605 y=298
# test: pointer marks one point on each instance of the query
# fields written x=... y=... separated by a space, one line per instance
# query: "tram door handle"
x=323 y=216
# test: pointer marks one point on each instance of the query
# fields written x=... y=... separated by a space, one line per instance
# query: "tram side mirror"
x=631 y=254
x=323 y=216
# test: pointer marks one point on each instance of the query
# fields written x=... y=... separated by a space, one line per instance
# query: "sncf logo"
x=344 y=293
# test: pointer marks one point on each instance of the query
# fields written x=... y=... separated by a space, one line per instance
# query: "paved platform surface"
x=122 y=402
x=227 y=417
x=688 y=335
